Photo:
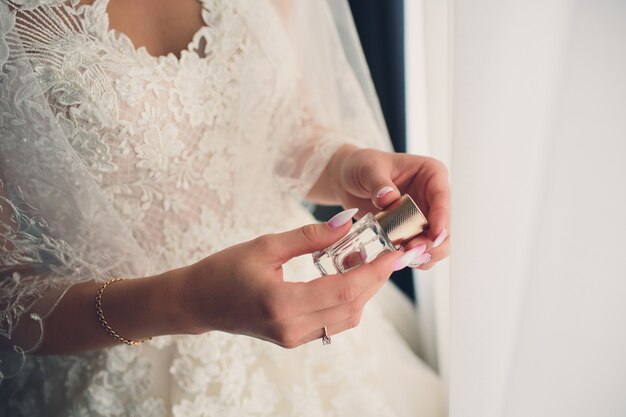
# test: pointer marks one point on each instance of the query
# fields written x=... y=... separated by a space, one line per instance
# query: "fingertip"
x=440 y=237
x=420 y=260
x=342 y=218
x=408 y=257
x=388 y=258
x=383 y=191
x=385 y=195
x=306 y=239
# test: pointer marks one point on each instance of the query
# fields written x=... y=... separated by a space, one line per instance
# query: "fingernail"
x=405 y=259
x=419 y=249
x=384 y=191
x=342 y=218
x=421 y=260
x=440 y=238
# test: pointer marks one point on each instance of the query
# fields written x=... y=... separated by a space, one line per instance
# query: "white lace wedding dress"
x=191 y=171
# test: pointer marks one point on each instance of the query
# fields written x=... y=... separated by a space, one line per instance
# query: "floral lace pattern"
x=190 y=171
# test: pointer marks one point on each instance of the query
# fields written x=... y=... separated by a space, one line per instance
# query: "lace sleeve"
x=335 y=97
x=56 y=226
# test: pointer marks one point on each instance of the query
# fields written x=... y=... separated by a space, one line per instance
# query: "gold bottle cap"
x=402 y=220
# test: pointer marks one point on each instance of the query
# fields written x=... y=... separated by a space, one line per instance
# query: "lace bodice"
x=195 y=153
x=166 y=137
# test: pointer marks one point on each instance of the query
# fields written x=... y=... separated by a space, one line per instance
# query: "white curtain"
x=428 y=75
x=538 y=279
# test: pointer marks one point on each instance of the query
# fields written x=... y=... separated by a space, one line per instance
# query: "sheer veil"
x=57 y=227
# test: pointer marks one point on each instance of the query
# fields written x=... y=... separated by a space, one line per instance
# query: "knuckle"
x=347 y=294
x=270 y=312
x=438 y=165
x=310 y=233
x=382 y=274
x=285 y=338
x=369 y=159
x=273 y=307
x=378 y=270
x=265 y=243
x=440 y=210
x=354 y=307
x=355 y=321
x=291 y=344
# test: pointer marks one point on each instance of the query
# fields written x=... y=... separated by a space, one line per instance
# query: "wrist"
x=190 y=313
x=177 y=292
x=335 y=165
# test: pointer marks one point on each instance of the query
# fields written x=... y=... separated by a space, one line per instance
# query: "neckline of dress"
x=119 y=36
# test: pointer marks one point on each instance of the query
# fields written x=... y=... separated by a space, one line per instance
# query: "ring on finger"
x=326 y=338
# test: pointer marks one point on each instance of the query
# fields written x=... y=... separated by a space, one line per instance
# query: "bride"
x=154 y=157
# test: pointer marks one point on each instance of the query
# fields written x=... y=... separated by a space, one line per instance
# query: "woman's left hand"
x=371 y=180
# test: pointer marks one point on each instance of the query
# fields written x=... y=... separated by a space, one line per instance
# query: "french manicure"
x=421 y=260
x=384 y=191
x=342 y=218
x=406 y=259
x=440 y=238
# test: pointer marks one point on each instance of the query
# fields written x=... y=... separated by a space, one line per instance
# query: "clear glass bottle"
x=371 y=235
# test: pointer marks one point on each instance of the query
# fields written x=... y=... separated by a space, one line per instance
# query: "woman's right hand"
x=238 y=290
x=241 y=289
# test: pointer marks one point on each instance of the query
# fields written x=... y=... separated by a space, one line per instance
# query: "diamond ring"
x=326 y=338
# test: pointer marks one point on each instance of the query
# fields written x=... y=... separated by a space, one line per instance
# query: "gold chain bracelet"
x=104 y=322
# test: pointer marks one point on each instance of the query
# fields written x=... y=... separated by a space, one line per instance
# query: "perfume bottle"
x=371 y=235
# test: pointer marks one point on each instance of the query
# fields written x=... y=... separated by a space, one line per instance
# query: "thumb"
x=313 y=237
x=382 y=189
